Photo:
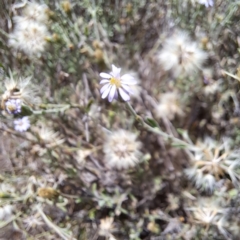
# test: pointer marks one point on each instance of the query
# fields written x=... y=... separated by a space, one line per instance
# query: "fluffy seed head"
x=33 y=222
x=29 y=37
x=211 y=161
x=20 y=91
x=122 y=149
x=169 y=106
x=50 y=138
x=180 y=55
x=207 y=211
x=212 y=88
x=33 y=12
x=106 y=226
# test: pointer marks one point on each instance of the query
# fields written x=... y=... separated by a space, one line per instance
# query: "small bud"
x=153 y=227
x=204 y=42
x=48 y=193
x=129 y=7
x=98 y=55
x=71 y=46
x=66 y=5
x=96 y=44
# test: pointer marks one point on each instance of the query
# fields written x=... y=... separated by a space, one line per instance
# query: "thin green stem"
x=156 y=130
x=59 y=108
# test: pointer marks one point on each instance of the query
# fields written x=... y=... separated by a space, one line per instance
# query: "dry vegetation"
x=164 y=165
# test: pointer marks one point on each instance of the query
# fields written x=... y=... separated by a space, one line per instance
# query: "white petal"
x=127 y=88
x=104 y=88
x=104 y=81
x=128 y=79
x=116 y=71
x=124 y=95
x=106 y=92
x=105 y=75
x=116 y=95
x=112 y=93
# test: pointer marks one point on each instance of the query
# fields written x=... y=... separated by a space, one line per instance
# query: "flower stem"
x=157 y=130
x=58 y=108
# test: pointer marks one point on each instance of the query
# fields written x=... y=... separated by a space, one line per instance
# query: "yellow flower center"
x=11 y=108
x=115 y=81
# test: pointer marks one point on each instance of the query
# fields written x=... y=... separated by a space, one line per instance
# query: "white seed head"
x=212 y=88
x=180 y=55
x=106 y=226
x=82 y=154
x=211 y=161
x=49 y=137
x=29 y=37
x=169 y=106
x=35 y=12
x=6 y=212
x=33 y=222
x=20 y=89
x=122 y=149
x=207 y=212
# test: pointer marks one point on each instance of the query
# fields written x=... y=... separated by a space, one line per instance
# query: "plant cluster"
x=119 y=120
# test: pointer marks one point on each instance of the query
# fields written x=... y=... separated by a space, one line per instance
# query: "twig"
x=157 y=130
x=58 y=230
x=231 y=75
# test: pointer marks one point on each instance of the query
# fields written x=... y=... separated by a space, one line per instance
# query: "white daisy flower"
x=207 y=3
x=114 y=83
x=22 y=124
x=13 y=106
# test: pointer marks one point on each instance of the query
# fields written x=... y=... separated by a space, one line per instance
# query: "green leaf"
x=26 y=111
x=178 y=145
x=89 y=105
x=151 y=122
x=3 y=68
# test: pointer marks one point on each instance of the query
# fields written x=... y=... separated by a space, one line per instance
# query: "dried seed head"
x=106 y=226
x=48 y=137
x=211 y=161
x=169 y=106
x=122 y=149
x=18 y=92
x=180 y=55
x=34 y=12
x=208 y=212
x=29 y=37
